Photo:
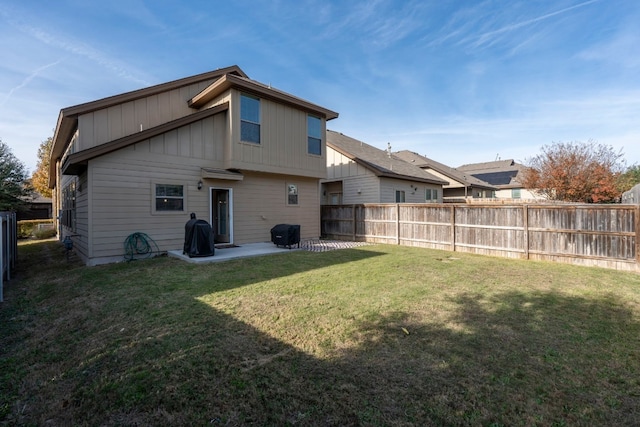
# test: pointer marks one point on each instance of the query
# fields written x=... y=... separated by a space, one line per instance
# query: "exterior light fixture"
x=200 y=185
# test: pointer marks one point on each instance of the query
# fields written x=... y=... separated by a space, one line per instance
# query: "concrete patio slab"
x=228 y=253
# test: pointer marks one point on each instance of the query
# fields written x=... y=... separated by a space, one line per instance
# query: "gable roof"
x=68 y=117
x=243 y=83
x=424 y=162
x=501 y=173
x=380 y=162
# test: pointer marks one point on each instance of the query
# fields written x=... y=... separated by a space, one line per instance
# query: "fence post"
x=2 y=266
x=354 y=223
x=397 y=223
x=453 y=228
x=636 y=219
x=525 y=225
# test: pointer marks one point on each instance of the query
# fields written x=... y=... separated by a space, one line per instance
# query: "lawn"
x=379 y=335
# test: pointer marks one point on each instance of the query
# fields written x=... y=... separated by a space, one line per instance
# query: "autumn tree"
x=575 y=172
x=14 y=185
x=40 y=178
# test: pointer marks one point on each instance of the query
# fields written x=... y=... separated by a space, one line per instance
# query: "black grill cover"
x=285 y=235
x=198 y=238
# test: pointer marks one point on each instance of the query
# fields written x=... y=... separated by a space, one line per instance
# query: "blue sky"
x=458 y=81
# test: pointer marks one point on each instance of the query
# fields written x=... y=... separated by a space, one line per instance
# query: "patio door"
x=221 y=219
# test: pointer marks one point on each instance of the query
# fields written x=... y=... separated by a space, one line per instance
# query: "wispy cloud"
x=490 y=37
x=462 y=28
x=27 y=80
x=72 y=46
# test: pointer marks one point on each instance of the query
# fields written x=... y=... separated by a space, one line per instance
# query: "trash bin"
x=198 y=238
x=285 y=235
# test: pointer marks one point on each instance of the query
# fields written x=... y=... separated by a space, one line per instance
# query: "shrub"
x=35 y=228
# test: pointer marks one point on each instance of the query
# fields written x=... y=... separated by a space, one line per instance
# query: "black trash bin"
x=198 y=238
x=285 y=235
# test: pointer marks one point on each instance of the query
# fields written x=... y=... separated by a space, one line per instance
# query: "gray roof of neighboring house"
x=423 y=162
x=502 y=173
x=378 y=161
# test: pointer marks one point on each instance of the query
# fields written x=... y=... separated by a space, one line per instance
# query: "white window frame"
x=154 y=197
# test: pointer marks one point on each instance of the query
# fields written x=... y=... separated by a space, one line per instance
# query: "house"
x=360 y=173
x=39 y=207
x=503 y=174
x=461 y=187
x=238 y=153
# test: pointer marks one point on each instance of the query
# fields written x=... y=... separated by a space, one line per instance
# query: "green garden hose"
x=138 y=246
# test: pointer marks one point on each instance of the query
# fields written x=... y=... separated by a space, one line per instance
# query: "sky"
x=457 y=81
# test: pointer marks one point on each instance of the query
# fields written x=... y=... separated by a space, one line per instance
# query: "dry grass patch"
x=379 y=335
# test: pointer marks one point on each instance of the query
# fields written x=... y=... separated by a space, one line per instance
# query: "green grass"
x=380 y=335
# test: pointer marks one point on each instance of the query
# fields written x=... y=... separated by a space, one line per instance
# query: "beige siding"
x=283 y=146
x=260 y=202
x=117 y=121
x=122 y=185
x=340 y=166
x=452 y=182
x=414 y=191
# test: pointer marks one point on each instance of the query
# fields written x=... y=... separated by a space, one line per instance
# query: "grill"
x=198 y=238
x=286 y=235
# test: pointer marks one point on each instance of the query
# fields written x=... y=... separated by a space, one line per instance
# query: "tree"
x=629 y=178
x=14 y=184
x=40 y=178
x=575 y=172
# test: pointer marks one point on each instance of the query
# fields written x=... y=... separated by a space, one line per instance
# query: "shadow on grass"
x=159 y=357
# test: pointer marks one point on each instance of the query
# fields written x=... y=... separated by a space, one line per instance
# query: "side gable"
x=67 y=124
x=423 y=162
x=380 y=162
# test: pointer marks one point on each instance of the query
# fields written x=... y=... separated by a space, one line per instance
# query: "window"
x=431 y=195
x=314 y=135
x=68 y=214
x=292 y=194
x=169 y=198
x=515 y=193
x=249 y=119
x=400 y=196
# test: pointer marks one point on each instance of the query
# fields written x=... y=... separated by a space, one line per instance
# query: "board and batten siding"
x=283 y=142
x=128 y=118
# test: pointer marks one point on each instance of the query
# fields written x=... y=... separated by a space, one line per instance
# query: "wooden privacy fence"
x=598 y=235
x=8 y=247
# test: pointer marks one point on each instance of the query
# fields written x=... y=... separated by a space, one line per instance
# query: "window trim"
x=258 y=123
x=68 y=211
x=292 y=186
x=154 y=185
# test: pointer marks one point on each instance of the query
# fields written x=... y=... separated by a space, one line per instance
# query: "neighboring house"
x=461 y=185
x=632 y=196
x=237 y=153
x=39 y=208
x=503 y=174
x=360 y=173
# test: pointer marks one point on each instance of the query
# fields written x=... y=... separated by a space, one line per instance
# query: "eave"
x=68 y=118
x=229 y=81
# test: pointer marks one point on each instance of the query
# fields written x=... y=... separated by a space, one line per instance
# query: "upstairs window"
x=249 y=119
x=314 y=135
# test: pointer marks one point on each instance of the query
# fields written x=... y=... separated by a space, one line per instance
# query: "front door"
x=221 y=214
